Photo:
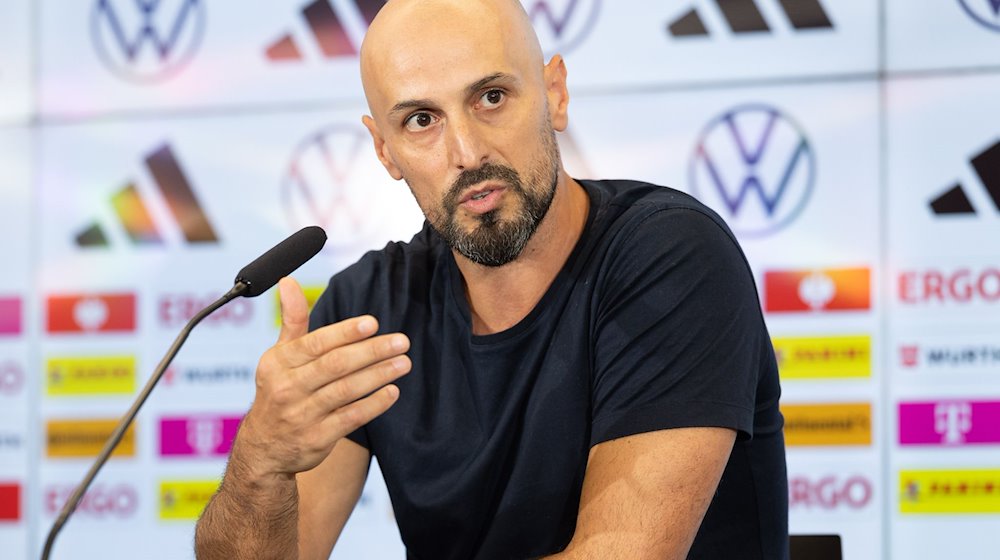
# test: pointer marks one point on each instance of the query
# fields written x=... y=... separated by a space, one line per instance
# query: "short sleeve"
x=679 y=332
x=325 y=313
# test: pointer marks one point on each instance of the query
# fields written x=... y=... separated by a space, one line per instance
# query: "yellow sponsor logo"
x=312 y=294
x=824 y=357
x=85 y=438
x=107 y=375
x=185 y=499
x=828 y=424
x=953 y=491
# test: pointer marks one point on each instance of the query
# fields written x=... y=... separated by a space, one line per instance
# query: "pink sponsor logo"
x=10 y=315
x=199 y=436
x=952 y=422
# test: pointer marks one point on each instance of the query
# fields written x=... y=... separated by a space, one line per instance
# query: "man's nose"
x=466 y=144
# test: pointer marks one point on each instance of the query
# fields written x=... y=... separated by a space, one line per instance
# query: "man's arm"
x=290 y=453
x=644 y=496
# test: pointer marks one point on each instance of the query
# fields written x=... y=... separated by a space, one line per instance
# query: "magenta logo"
x=950 y=423
x=10 y=315
x=198 y=436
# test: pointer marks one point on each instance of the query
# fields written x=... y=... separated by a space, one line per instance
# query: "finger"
x=346 y=419
x=307 y=348
x=359 y=384
x=294 y=310
x=351 y=358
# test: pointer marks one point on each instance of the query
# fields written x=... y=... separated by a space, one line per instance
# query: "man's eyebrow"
x=404 y=106
x=474 y=87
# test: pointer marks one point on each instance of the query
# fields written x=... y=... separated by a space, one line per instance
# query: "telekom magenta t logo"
x=953 y=420
x=199 y=436
x=949 y=423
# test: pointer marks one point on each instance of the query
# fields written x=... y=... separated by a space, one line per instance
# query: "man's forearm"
x=249 y=518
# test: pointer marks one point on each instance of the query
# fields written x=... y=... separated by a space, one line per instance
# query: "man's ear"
x=554 y=75
x=380 y=148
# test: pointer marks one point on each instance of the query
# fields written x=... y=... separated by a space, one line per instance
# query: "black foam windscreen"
x=281 y=260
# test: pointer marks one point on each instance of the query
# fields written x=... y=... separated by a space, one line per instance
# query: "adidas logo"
x=134 y=215
x=987 y=167
x=336 y=34
x=744 y=16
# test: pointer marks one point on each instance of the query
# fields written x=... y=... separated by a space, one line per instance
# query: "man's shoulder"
x=382 y=276
x=625 y=205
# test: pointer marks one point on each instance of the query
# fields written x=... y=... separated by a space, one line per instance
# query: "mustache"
x=485 y=172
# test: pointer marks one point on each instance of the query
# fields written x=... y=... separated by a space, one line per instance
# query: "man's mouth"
x=482 y=200
x=481 y=193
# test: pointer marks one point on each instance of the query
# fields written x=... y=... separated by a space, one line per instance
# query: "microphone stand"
x=238 y=289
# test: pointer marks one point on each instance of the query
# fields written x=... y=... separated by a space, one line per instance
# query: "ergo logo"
x=177 y=309
x=829 y=492
x=100 y=502
x=962 y=285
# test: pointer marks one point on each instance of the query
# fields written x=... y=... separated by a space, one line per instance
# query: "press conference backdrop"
x=148 y=150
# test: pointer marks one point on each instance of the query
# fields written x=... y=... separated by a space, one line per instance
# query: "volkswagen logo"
x=147 y=40
x=561 y=25
x=754 y=164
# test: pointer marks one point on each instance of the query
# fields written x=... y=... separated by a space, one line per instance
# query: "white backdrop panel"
x=15 y=61
x=942 y=35
x=942 y=158
x=217 y=57
x=630 y=43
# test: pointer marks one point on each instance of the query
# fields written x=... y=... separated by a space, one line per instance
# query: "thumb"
x=294 y=310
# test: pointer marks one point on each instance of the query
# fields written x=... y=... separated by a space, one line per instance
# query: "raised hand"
x=315 y=388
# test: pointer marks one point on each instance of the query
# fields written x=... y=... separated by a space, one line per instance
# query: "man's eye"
x=419 y=121
x=492 y=98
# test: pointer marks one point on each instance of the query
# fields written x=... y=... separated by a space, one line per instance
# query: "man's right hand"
x=315 y=388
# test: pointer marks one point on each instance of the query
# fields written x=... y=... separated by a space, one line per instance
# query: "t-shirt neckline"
x=457 y=285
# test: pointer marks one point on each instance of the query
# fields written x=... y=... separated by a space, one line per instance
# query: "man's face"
x=488 y=214
x=465 y=122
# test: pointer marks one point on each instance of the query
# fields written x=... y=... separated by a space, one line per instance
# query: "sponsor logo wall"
x=157 y=147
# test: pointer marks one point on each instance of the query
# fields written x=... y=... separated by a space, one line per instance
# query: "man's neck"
x=499 y=297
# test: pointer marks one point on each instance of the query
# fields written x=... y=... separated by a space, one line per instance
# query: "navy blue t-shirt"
x=652 y=323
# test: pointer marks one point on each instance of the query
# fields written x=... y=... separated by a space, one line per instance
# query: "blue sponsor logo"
x=147 y=40
x=754 y=165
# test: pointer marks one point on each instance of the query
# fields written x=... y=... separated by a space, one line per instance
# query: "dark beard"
x=494 y=242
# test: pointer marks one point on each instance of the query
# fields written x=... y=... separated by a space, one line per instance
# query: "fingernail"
x=366 y=325
x=398 y=342
x=400 y=363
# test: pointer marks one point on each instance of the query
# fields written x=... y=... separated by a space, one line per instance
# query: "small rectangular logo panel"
x=949 y=423
x=85 y=313
x=110 y=375
x=182 y=500
x=10 y=316
x=828 y=357
x=85 y=438
x=949 y=491
x=10 y=501
x=199 y=436
x=831 y=289
x=828 y=424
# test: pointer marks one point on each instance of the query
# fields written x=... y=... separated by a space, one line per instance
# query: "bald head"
x=410 y=38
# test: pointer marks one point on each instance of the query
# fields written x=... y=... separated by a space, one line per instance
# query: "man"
x=586 y=360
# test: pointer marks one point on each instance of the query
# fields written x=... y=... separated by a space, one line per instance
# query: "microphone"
x=255 y=279
x=281 y=260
